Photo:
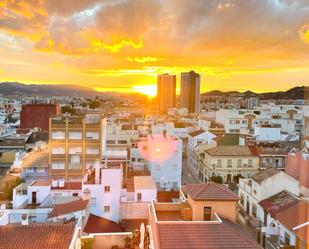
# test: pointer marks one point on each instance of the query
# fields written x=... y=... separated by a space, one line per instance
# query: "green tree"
x=9 y=186
x=216 y=179
x=68 y=109
x=84 y=104
x=94 y=104
x=87 y=243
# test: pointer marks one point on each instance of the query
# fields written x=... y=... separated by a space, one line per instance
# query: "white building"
x=198 y=141
x=162 y=155
x=264 y=184
x=289 y=117
x=103 y=184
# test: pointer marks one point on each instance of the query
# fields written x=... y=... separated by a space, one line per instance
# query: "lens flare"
x=157 y=148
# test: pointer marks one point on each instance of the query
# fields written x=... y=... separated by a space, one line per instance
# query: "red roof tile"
x=36 y=236
x=279 y=202
x=70 y=186
x=210 y=191
x=69 y=207
x=295 y=216
x=297 y=167
x=201 y=236
x=167 y=196
x=96 y=224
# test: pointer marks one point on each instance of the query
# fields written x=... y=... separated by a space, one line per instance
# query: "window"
x=139 y=196
x=29 y=170
x=107 y=189
x=229 y=163
x=219 y=163
x=58 y=135
x=250 y=163
x=107 y=209
x=158 y=167
x=242 y=199
x=239 y=163
x=58 y=151
x=58 y=165
x=110 y=142
x=40 y=170
x=75 y=162
x=287 y=238
x=253 y=210
x=122 y=142
x=75 y=194
x=92 y=150
x=92 y=135
x=75 y=150
x=75 y=135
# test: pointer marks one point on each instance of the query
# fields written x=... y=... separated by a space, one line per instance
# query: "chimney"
x=25 y=220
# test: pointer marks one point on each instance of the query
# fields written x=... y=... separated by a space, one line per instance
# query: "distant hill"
x=300 y=92
x=16 y=88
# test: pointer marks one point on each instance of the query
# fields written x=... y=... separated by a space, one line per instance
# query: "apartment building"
x=288 y=117
x=166 y=92
x=75 y=143
x=229 y=162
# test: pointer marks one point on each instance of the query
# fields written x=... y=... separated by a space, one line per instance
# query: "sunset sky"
x=121 y=45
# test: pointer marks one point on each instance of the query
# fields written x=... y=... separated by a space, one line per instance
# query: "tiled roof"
x=297 y=167
x=201 y=236
x=295 y=216
x=67 y=208
x=210 y=191
x=36 y=236
x=36 y=159
x=196 y=133
x=279 y=202
x=265 y=174
x=272 y=151
x=96 y=224
x=233 y=150
x=70 y=186
x=144 y=182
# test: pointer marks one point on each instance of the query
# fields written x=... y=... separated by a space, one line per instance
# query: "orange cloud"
x=143 y=59
x=304 y=33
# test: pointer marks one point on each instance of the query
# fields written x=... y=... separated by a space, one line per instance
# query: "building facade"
x=37 y=115
x=190 y=91
x=74 y=145
x=166 y=92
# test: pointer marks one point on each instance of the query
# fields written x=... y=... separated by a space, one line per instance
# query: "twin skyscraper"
x=189 y=92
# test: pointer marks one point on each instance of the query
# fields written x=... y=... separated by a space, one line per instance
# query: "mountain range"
x=16 y=88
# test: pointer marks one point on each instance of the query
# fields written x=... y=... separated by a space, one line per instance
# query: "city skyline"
x=123 y=45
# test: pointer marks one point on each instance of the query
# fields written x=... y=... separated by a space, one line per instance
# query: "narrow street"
x=188 y=175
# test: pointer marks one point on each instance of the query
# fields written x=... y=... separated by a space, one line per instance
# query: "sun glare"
x=149 y=90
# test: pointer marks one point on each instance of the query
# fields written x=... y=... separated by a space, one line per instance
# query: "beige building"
x=230 y=162
x=75 y=144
